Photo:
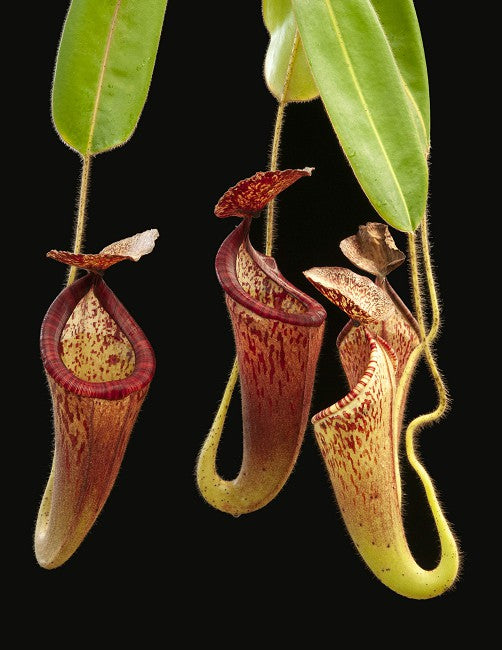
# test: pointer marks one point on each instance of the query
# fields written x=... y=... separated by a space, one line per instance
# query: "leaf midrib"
x=102 y=76
x=365 y=105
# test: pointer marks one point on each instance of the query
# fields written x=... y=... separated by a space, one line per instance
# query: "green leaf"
x=103 y=70
x=400 y=24
x=368 y=63
x=281 y=24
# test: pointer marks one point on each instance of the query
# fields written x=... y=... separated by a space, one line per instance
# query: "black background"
x=208 y=123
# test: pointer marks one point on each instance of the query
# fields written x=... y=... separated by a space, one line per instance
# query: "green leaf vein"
x=102 y=75
x=363 y=101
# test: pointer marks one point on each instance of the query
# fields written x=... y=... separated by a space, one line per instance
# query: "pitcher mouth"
x=312 y=314
x=54 y=322
x=367 y=376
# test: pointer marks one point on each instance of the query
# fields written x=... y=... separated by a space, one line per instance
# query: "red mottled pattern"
x=286 y=303
x=89 y=261
x=248 y=197
x=91 y=436
x=277 y=363
x=354 y=354
x=400 y=330
x=93 y=346
x=262 y=287
x=359 y=447
x=92 y=419
x=358 y=436
x=54 y=323
x=402 y=333
x=130 y=248
x=354 y=294
x=278 y=343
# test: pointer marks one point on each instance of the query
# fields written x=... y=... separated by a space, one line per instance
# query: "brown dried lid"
x=373 y=249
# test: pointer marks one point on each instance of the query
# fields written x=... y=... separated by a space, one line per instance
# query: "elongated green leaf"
x=399 y=21
x=370 y=72
x=281 y=24
x=103 y=70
